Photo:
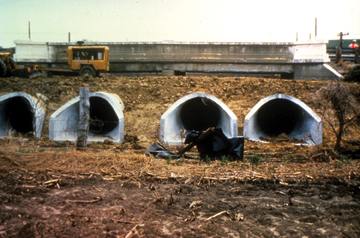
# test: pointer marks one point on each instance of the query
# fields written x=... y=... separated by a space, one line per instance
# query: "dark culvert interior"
x=279 y=116
x=199 y=114
x=19 y=114
x=103 y=118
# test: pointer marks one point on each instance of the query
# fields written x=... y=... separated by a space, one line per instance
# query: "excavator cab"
x=88 y=60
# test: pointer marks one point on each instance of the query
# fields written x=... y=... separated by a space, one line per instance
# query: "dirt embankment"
x=147 y=97
x=50 y=189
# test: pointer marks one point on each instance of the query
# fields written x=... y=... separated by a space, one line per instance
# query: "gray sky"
x=177 y=20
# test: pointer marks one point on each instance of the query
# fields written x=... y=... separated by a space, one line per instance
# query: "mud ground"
x=50 y=189
x=88 y=206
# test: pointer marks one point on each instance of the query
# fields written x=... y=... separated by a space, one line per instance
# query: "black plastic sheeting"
x=211 y=144
x=159 y=151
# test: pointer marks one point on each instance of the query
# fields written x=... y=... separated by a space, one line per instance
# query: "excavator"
x=83 y=60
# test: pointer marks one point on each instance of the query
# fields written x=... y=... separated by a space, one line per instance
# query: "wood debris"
x=134 y=232
x=217 y=215
x=97 y=199
x=194 y=204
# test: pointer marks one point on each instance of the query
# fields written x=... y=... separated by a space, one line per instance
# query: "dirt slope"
x=50 y=189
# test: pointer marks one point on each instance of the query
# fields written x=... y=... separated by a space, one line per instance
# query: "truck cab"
x=88 y=60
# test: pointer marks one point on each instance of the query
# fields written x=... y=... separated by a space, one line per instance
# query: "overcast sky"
x=177 y=20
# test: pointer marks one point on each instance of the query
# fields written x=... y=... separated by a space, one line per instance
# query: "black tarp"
x=211 y=143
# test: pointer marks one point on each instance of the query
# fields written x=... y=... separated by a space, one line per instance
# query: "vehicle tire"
x=87 y=71
x=2 y=69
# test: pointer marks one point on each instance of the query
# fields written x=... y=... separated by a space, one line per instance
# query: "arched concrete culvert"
x=282 y=114
x=196 y=111
x=20 y=113
x=106 y=119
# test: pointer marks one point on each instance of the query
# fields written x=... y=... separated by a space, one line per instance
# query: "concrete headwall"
x=196 y=111
x=106 y=119
x=21 y=113
x=280 y=114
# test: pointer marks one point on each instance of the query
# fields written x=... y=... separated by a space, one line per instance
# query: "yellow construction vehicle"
x=7 y=64
x=88 y=60
x=83 y=60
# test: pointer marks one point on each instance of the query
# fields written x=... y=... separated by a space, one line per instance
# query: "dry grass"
x=281 y=162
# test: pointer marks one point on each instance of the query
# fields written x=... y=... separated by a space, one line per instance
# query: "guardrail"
x=347 y=54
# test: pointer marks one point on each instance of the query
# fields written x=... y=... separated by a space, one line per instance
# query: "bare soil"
x=50 y=189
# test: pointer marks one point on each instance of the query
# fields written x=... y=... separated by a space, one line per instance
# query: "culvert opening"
x=19 y=114
x=199 y=114
x=279 y=116
x=103 y=118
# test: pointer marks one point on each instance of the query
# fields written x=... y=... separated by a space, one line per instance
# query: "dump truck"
x=84 y=60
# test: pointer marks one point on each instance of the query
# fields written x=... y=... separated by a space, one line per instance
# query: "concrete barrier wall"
x=29 y=51
x=185 y=52
x=191 y=52
x=262 y=58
